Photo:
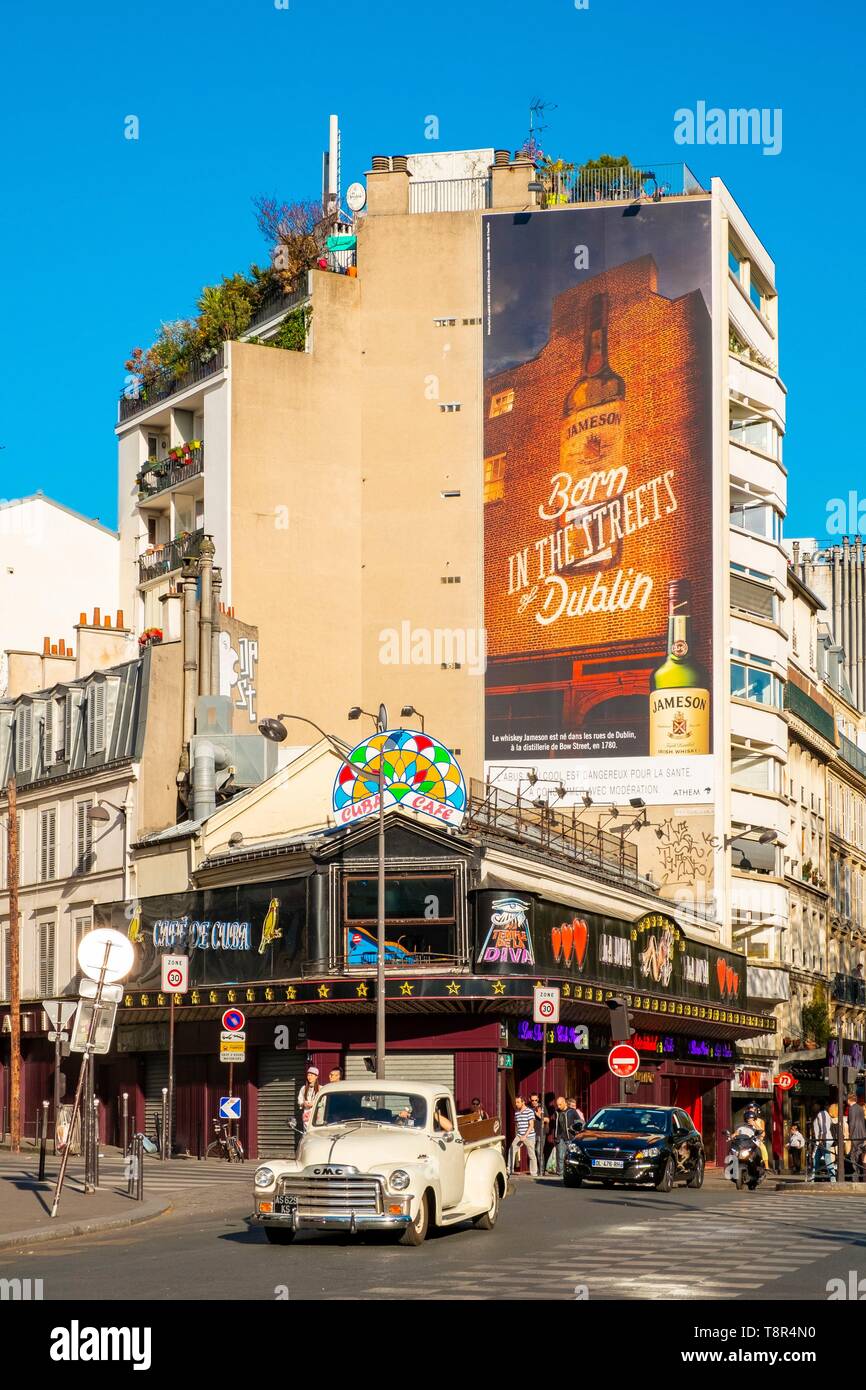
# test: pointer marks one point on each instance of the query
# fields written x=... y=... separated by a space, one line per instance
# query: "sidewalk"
x=25 y=1203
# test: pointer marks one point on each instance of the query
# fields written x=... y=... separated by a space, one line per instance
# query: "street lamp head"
x=768 y=838
x=407 y=711
x=98 y=812
x=355 y=712
x=586 y=799
x=272 y=729
x=637 y=802
x=532 y=777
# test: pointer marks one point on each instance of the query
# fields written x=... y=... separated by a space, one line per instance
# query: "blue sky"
x=102 y=237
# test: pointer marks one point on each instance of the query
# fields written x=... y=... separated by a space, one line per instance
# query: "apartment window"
x=47 y=844
x=758 y=519
x=758 y=434
x=96 y=718
x=494 y=478
x=47 y=933
x=753 y=769
x=757 y=599
x=83 y=848
x=81 y=924
x=501 y=403
x=23 y=737
x=750 y=683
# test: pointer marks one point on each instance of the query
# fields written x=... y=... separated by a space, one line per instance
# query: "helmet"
x=751 y=1110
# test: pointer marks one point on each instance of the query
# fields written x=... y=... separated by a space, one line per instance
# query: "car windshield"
x=378 y=1107
x=630 y=1121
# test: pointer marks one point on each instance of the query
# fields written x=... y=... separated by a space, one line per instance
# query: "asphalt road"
x=549 y=1243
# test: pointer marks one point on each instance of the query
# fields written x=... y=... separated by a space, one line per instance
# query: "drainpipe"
x=215 y=633
x=190 y=661
x=206 y=553
x=208 y=757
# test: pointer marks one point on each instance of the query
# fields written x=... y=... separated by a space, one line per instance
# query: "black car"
x=654 y=1145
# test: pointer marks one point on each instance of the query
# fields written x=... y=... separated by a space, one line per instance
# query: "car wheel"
x=278 y=1235
x=697 y=1177
x=571 y=1179
x=488 y=1220
x=416 y=1232
x=666 y=1181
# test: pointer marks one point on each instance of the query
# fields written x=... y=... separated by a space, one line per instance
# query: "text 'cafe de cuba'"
x=485 y=898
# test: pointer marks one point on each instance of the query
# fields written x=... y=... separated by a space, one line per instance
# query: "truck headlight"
x=265 y=1177
x=399 y=1180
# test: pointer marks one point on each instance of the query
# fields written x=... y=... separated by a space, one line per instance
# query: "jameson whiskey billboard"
x=598 y=517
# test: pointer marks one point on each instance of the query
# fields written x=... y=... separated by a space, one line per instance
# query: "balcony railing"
x=135 y=399
x=162 y=559
x=850 y=989
x=449 y=195
x=622 y=183
x=169 y=473
x=852 y=755
x=555 y=832
x=277 y=304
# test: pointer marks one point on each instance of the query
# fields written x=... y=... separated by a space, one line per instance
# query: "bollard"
x=43 y=1140
x=199 y=1146
x=95 y=1141
x=125 y=1123
x=157 y=1124
x=164 y=1145
x=140 y=1168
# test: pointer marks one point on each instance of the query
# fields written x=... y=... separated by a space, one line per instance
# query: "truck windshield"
x=379 y=1107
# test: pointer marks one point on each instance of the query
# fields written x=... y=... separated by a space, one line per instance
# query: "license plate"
x=608 y=1163
x=286 y=1204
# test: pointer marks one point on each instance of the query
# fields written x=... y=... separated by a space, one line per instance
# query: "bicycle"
x=225 y=1145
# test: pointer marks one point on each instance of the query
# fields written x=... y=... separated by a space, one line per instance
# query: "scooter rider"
x=752 y=1117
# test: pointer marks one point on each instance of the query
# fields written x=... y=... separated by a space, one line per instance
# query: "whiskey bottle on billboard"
x=591 y=443
x=679 y=688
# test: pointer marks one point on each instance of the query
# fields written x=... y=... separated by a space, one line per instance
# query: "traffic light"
x=620 y=1019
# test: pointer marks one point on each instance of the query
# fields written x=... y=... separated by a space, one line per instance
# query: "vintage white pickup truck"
x=384 y=1156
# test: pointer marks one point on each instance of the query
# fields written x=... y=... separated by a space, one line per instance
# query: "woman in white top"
x=307 y=1096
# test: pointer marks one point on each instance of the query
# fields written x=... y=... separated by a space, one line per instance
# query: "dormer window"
x=23 y=737
x=96 y=718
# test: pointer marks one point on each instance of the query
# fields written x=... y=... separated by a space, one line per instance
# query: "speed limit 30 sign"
x=545 y=1004
x=175 y=974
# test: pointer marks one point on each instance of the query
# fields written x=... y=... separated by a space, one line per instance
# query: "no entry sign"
x=623 y=1060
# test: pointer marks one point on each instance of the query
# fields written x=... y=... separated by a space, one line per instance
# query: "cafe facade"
x=286 y=932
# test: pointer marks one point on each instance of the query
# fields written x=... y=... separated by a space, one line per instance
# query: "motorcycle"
x=744 y=1164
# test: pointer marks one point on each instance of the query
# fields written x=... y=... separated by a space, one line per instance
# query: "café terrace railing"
x=561 y=833
x=413 y=960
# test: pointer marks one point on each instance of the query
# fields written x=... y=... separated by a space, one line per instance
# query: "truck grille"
x=332 y=1194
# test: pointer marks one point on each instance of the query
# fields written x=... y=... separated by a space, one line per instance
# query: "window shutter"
x=23 y=730
x=46 y=959
x=47 y=844
x=48 y=735
x=96 y=719
x=753 y=598
x=83 y=833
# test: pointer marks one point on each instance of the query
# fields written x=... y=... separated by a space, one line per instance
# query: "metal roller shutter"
x=281 y=1076
x=155 y=1077
x=437 y=1068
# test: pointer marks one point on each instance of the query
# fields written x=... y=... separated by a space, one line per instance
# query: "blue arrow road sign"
x=230 y=1107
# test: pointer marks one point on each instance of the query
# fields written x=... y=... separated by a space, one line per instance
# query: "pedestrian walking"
x=823 y=1156
x=524 y=1137
x=565 y=1126
x=308 y=1095
x=796 y=1144
x=541 y=1126
x=857 y=1135
x=334 y=1075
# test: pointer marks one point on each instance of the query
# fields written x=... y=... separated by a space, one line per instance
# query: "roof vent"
x=381 y=162
x=400 y=162
x=501 y=157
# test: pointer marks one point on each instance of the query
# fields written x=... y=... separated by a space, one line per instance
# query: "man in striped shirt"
x=524 y=1134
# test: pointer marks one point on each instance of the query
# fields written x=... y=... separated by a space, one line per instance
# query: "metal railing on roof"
x=449 y=195
x=620 y=183
x=561 y=833
x=134 y=400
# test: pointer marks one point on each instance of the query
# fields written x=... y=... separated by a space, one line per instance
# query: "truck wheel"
x=278 y=1236
x=416 y=1232
x=488 y=1220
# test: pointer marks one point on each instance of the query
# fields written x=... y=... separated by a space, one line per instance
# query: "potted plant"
x=150 y=637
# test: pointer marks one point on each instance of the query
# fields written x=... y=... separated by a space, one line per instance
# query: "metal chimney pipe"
x=190 y=660
x=217 y=582
x=206 y=552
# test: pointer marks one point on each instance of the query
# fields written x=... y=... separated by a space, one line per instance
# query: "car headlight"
x=399 y=1180
x=573 y=1148
x=653 y=1152
x=265 y=1177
